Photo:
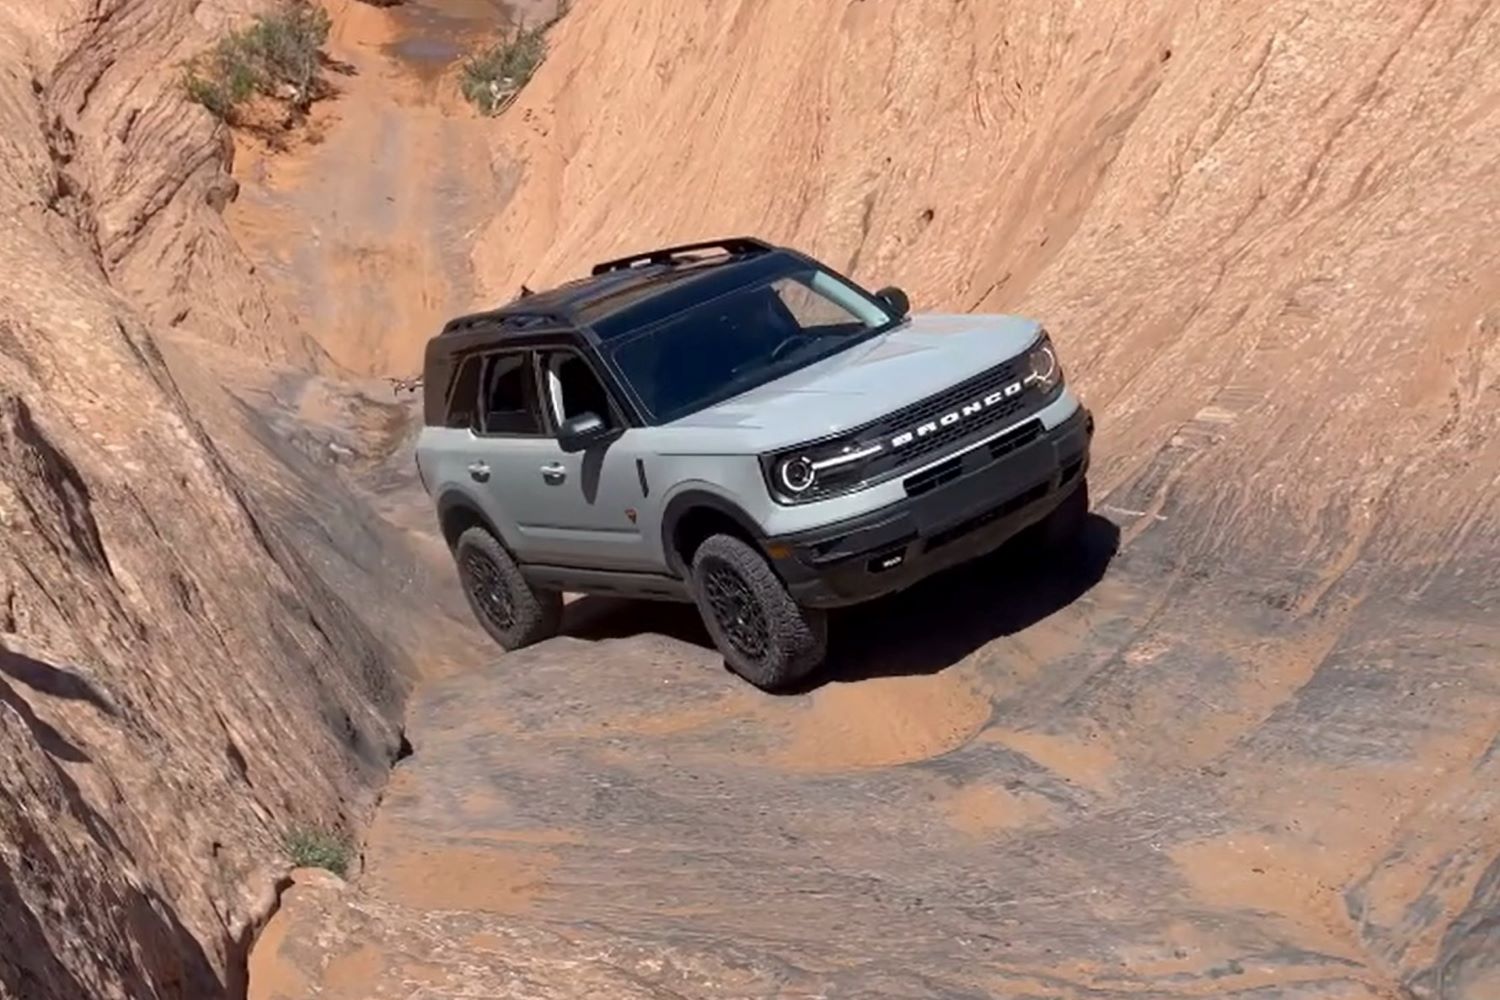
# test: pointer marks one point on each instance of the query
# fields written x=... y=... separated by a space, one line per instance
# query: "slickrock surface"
x=180 y=681
x=1243 y=743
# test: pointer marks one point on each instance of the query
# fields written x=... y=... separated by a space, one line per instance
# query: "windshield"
x=745 y=339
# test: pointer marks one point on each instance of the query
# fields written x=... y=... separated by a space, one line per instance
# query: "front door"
x=598 y=503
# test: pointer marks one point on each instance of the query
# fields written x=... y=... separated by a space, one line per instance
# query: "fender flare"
x=454 y=502
x=692 y=499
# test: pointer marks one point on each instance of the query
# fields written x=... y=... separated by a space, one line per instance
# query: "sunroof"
x=651 y=281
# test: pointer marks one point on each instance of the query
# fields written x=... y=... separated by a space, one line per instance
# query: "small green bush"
x=279 y=55
x=493 y=78
x=286 y=48
x=220 y=80
x=314 y=847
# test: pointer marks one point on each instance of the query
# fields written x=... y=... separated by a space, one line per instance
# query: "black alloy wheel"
x=734 y=606
x=514 y=613
x=764 y=635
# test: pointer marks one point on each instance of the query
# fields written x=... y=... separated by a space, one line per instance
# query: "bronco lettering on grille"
x=954 y=416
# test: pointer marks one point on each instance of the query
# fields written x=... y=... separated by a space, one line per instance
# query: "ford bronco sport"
x=735 y=424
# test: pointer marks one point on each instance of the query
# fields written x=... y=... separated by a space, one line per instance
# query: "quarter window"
x=463 y=401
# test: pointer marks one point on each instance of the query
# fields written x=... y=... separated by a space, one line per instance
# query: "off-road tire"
x=513 y=612
x=794 y=639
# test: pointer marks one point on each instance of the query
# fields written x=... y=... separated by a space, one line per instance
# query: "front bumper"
x=955 y=511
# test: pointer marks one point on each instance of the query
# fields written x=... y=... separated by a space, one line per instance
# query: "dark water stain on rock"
x=435 y=34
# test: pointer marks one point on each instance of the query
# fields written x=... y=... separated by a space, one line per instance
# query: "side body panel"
x=459 y=467
x=588 y=509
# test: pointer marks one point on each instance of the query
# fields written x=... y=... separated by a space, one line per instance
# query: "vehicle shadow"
x=598 y=618
x=941 y=620
x=922 y=630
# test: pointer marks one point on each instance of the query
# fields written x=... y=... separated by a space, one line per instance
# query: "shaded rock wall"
x=177 y=685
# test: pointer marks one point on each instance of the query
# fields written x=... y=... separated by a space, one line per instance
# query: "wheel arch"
x=692 y=516
x=457 y=514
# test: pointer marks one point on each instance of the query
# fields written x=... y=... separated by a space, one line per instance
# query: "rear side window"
x=509 y=394
x=495 y=394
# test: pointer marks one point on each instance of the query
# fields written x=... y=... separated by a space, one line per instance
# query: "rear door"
x=510 y=449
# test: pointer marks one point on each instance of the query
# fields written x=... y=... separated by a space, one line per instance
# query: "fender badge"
x=630 y=513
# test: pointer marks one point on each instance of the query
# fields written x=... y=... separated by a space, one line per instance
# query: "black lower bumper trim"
x=966 y=511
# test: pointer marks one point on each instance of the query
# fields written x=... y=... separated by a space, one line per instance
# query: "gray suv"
x=737 y=425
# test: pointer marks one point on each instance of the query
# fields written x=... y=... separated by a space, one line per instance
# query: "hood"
x=853 y=387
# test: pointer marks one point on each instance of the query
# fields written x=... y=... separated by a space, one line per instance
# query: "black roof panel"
x=706 y=284
x=627 y=286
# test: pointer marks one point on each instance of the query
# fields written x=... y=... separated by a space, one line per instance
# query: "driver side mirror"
x=583 y=431
x=895 y=300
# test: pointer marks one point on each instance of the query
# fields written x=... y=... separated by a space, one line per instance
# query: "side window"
x=573 y=388
x=510 y=400
x=463 y=400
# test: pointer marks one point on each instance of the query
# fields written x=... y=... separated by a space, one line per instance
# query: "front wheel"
x=514 y=613
x=764 y=635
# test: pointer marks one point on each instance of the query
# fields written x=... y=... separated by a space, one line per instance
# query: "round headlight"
x=797 y=474
x=1044 y=367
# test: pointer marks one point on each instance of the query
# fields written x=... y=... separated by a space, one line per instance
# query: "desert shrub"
x=286 y=47
x=314 y=847
x=279 y=54
x=221 y=79
x=493 y=78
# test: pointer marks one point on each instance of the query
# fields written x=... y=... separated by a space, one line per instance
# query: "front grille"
x=967 y=429
x=934 y=476
x=953 y=399
x=945 y=438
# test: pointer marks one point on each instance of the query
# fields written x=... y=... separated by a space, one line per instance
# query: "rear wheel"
x=764 y=635
x=514 y=613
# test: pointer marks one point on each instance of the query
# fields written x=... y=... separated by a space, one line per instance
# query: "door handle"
x=479 y=472
x=554 y=472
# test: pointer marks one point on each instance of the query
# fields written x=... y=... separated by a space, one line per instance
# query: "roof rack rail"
x=508 y=317
x=514 y=315
x=738 y=244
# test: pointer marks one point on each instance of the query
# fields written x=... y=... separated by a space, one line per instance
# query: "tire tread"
x=538 y=613
x=798 y=636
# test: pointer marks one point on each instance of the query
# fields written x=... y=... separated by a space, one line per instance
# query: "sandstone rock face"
x=367 y=231
x=1242 y=742
x=179 y=684
x=1263 y=234
x=1019 y=780
x=142 y=173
